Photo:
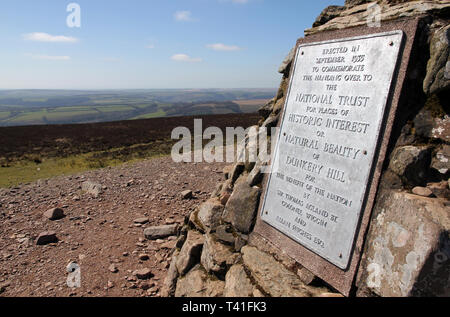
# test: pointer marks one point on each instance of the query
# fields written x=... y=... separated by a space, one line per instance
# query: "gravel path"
x=99 y=234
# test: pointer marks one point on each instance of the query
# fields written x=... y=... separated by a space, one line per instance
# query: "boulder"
x=216 y=258
x=236 y=171
x=273 y=277
x=46 y=238
x=408 y=247
x=197 y=283
x=437 y=78
x=255 y=176
x=210 y=213
x=441 y=161
x=54 y=214
x=240 y=210
x=422 y=191
x=227 y=171
x=271 y=122
x=237 y=283
x=285 y=65
x=141 y=221
x=328 y=14
x=224 y=234
x=429 y=126
x=411 y=163
x=170 y=282
x=266 y=110
x=160 y=232
x=143 y=274
x=356 y=13
x=440 y=190
x=190 y=252
x=187 y=194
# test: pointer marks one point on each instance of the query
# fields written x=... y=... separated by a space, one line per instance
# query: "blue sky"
x=137 y=44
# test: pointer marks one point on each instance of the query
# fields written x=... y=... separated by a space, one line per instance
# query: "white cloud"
x=150 y=46
x=45 y=37
x=49 y=57
x=183 y=16
x=185 y=58
x=223 y=47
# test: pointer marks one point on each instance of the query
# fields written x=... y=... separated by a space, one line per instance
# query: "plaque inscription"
x=328 y=139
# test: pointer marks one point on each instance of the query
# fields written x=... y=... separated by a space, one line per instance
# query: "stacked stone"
x=408 y=247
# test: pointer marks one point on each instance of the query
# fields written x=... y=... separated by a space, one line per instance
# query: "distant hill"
x=37 y=107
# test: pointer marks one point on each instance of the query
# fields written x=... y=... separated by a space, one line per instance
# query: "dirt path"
x=97 y=232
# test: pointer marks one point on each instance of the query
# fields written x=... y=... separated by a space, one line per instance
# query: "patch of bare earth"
x=99 y=234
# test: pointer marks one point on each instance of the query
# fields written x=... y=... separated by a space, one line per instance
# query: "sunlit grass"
x=30 y=169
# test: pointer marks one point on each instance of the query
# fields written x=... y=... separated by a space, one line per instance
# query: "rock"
x=429 y=126
x=408 y=245
x=272 y=276
x=441 y=161
x=170 y=282
x=190 y=252
x=187 y=194
x=328 y=14
x=143 y=274
x=411 y=163
x=331 y=295
x=92 y=188
x=160 y=232
x=237 y=170
x=266 y=110
x=257 y=293
x=141 y=221
x=227 y=188
x=194 y=221
x=285 y=65
x=4 y=286
x=270 y=122
x=143 y=257
x=305 y=276
x=216 y=257
x=357 y=14
x=237 y=283
x=440 y=190
x=169 y=245
x=353 y=3
x=437 y=78
x=240 y=210
x=46 y=238
x=210 y=213
x=255 y=176
x=113 y=268
x=422 y=191
x=227 y=171
x=197 y=283
x=110 y=284
x=239 y=242
x=54 y=214
x=224 y=234
x=216 y=191
x=224 y=198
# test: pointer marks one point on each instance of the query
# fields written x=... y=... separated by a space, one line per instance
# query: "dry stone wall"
x=407 y=249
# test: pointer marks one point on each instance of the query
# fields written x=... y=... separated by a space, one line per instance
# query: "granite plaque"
x=328 y=139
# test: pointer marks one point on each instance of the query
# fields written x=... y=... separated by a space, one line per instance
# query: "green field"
x=35 y=107
x=160 y=113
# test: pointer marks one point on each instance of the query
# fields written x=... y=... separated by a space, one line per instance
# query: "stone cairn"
x=407 y=248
